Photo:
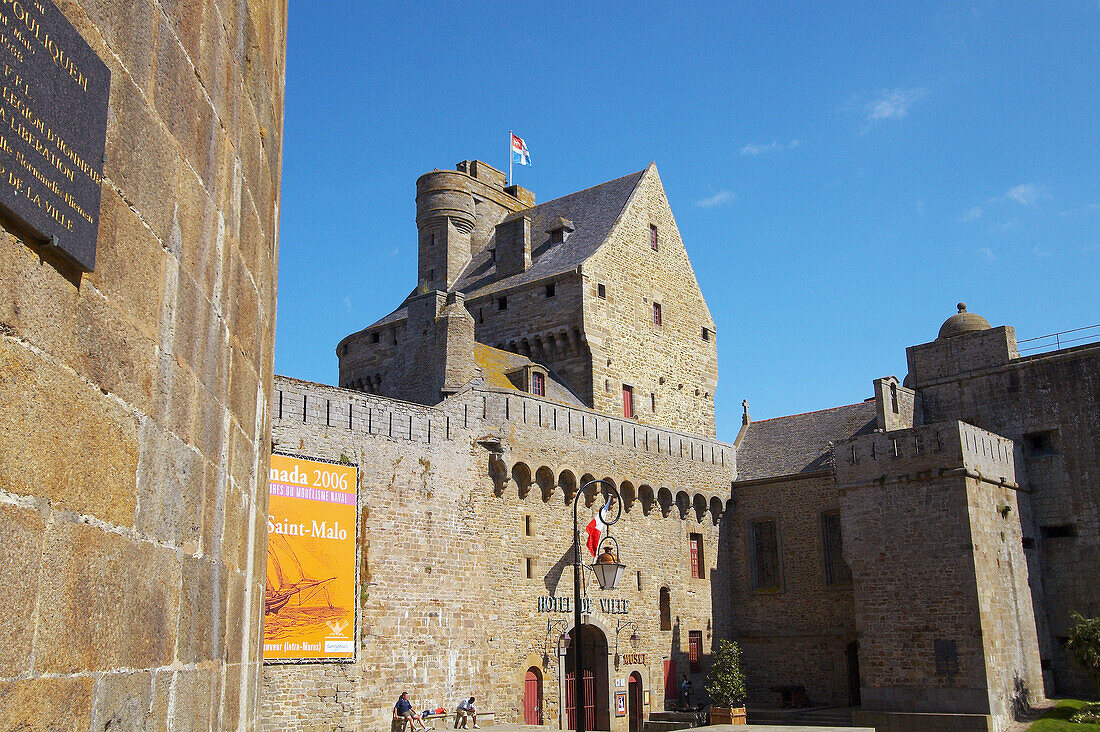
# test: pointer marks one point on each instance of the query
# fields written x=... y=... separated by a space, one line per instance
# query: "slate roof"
x=593 y=213
x=799 y=443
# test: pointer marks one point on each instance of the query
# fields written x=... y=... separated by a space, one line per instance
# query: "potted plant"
x=726 y=685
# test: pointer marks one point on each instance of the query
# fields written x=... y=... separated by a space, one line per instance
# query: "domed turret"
x=962 y=322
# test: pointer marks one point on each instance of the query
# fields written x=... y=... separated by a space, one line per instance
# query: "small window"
x=538 y=384
x=764 y=545
x=1037 y=444
x=639 y=573
x=665 y=603
x=527 y=525
x=601 y=291
x=373 y=339
x=480 y=316
x=529 y=567
x=431 y=275
x=1063 y=531
x=656 y=313
x=837 y=571
x=947 y=656
x=695 y=543
x=557 y=236
x=894 y=407
x=628 y=401
x=492 y=255
x=433 y=238
x=653 y=237
x=706 y=333
x=653 y=402
x=695 y=650
x=502 y=303
x=550 y=290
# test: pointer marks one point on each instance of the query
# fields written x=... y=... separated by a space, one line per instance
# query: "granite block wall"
x=134 y=398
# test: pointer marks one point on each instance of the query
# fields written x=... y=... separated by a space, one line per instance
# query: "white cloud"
x=894 y=104
x=987 y=254
x=973 y=214
x=774 y=145
x=1025 y=194
x=717 y=199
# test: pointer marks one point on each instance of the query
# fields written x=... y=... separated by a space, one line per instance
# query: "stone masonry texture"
x=134 y=399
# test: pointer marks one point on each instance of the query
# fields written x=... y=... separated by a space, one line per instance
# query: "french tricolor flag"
x=520 y=155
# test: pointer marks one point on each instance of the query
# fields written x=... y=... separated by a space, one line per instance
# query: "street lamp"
x=635 y=639
x=608 y=570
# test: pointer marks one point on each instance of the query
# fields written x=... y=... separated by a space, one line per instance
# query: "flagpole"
x=509 y=157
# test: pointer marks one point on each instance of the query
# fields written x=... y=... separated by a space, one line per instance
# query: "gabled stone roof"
x=799 y=443
x=592 y=212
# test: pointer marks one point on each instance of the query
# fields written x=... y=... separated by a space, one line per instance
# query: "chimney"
x=513 y=245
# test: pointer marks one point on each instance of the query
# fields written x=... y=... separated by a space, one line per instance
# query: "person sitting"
x=466 y=713
x=403 y=709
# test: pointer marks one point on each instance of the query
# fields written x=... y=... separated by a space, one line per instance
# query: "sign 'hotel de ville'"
x=191 y=541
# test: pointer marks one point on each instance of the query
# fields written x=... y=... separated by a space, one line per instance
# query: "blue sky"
x=842 y=173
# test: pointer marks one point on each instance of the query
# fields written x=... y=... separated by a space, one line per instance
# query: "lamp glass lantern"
x=608 y=574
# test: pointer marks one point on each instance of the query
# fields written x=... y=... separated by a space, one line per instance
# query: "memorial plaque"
x=53 y=128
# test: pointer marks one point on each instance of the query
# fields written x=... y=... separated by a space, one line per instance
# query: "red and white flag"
x=596 y=530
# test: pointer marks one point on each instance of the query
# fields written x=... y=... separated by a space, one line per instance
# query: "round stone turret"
x=962 y=322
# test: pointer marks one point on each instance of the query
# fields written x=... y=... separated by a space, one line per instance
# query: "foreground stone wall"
x=134 y=399
x=454 y=501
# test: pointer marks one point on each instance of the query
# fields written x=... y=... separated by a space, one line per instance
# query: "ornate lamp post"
x=608 y=570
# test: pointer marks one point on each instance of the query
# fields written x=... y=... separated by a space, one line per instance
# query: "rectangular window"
x=764 y=538
x=706 y=333
x=538 y=384
x=373 y=339
x=628 y=401
x=492 y=255
x=837 y=571
x=529 y=567
x=502 y=303
x=653 y=237
x=527 y=525
x=695 y=543
x=653 y=402
x=601 y=291
x=695 y=650
x=656 y=313
x=557 y=236
x=639 y=579
x=550 y=290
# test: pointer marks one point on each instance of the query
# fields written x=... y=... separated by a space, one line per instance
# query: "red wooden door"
x=532 y=698
x=670 y=679
x=589 y=700
x=634 y=699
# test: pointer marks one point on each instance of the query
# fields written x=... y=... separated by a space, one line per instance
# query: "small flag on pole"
x=520 y=155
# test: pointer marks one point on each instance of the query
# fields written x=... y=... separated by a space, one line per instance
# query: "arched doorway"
x=532 y=696
x=634 y=702
x=596 y=693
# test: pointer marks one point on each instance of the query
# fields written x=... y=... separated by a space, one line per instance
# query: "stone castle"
x=914 y=556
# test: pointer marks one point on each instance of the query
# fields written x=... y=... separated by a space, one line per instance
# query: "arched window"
x=666 y=609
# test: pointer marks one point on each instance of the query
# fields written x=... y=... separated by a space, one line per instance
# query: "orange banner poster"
x=309 y=601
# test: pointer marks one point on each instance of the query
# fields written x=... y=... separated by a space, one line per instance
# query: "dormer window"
x=559 y=231
x=538 y=384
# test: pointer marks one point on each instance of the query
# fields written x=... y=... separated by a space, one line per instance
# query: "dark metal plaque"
x=53 y=128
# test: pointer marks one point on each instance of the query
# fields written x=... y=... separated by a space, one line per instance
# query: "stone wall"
x=672 y=361
x=944 y=616
x=1049 y=405
x=799 y=633
x=132 y=474
x=446 y=607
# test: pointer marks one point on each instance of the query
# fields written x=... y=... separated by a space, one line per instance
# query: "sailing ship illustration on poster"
x=294 y=597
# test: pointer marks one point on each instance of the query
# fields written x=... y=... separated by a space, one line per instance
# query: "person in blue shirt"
x=403 y=709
